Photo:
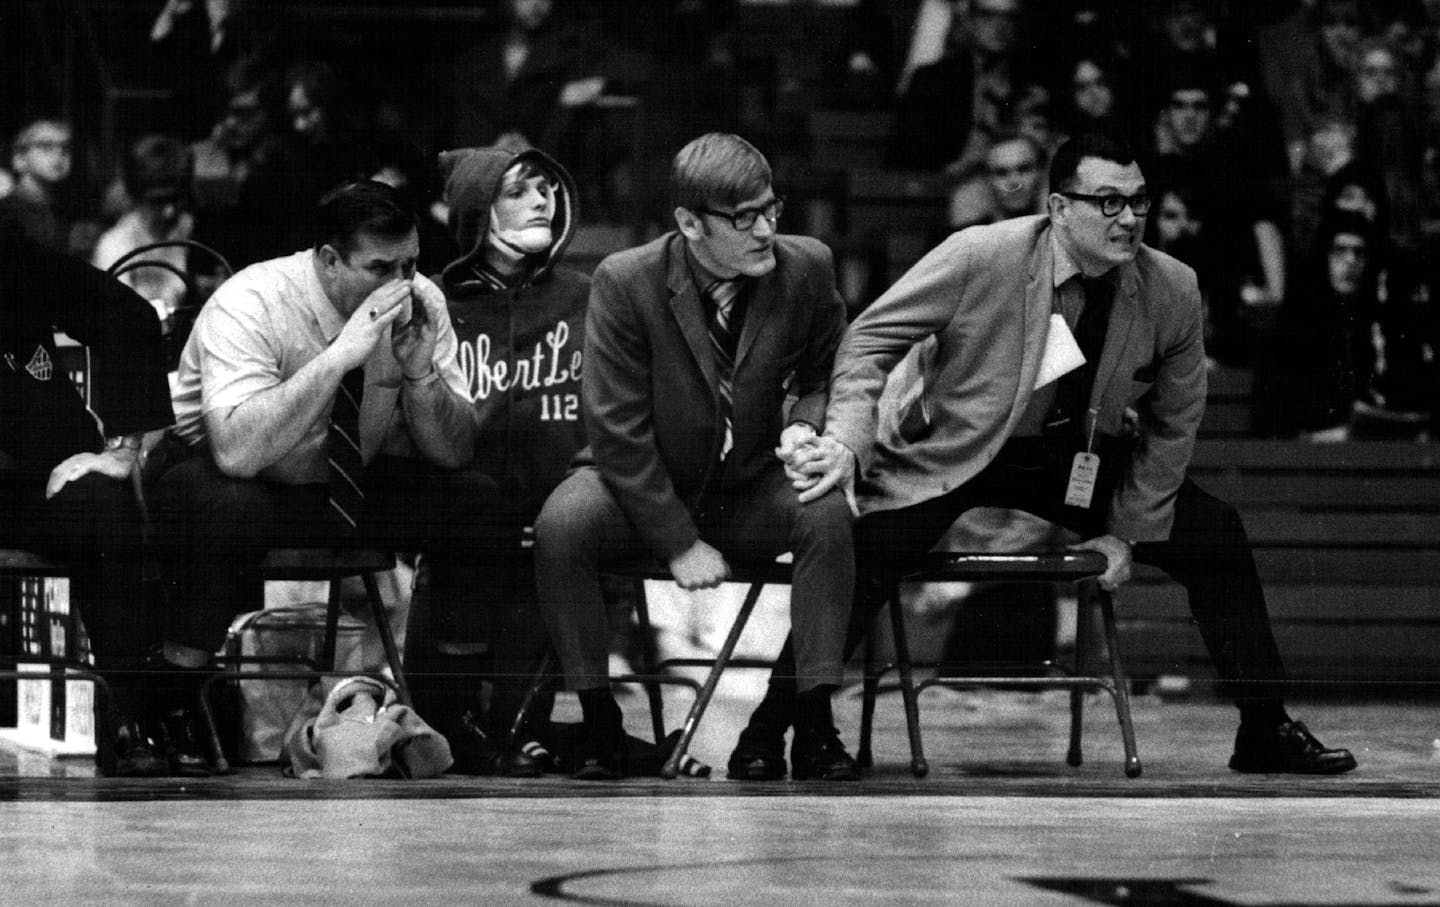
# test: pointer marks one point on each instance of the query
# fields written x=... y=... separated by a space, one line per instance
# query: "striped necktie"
x=722 y=293
x=346 y=463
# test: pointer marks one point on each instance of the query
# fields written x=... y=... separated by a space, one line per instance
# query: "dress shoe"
x=604 y=754
x=818 y=754
x=138 y=754
x=603 y=760
x=759 y=755
x=476 y=753
x=183 y=750
x=1287 y=747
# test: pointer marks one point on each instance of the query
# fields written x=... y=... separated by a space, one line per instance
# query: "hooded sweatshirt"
x=520 y=339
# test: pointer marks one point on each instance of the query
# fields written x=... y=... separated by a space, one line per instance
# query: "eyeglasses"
x=1112 y=205
x=745 y=218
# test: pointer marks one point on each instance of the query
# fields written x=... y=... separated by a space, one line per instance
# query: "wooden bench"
x=1347 y=541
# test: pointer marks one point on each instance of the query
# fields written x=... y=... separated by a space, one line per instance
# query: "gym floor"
x=1001 y=819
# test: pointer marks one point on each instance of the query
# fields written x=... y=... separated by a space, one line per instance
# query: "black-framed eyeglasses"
x=745 y=218
x=1112 y=204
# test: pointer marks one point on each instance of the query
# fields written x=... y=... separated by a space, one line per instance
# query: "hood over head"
x=473 y=177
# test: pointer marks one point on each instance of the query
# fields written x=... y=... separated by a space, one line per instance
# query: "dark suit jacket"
x=651 y=403
x=986 y=295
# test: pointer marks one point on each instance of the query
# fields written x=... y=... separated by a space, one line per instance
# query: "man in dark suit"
x=693 y=343
x=998 y=423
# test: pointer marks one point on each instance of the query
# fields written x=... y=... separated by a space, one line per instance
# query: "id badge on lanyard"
x=1084 y=469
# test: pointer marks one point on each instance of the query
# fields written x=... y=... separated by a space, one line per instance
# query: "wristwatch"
x=118 y=441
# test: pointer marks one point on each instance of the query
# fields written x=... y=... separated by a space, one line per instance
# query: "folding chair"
x=1080 y=568
x=330 y=565
x=756 y=576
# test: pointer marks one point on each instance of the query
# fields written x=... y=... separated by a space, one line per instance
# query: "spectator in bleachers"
x=156 y=177
x=1177 y=227
x=1012 y=184
x=519 y=318
x=1330 y=80
x=192 y=46
x=1094 y=98
x=42 y=203
x=1324 y=327
x=1241 y=209
x=1306 y=62
x=519 y=85
x=65 y=484
x=953 y=107
x=701 y=92
x=241 y=141
x=691 y=342
x=326 y=144
x=1328 y=149
x=893 y=38
x=320 y=402
x=1390 y=130
x=1398 y=399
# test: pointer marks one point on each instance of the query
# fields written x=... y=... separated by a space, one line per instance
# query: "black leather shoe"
x=1289 y=748
x=604 y=753
x=603 y=760
x=475 y=753
x=183 y=750
x=759 y=755
x=138 y=754
x=820 y=755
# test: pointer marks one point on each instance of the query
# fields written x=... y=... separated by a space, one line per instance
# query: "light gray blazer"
x=985 y=294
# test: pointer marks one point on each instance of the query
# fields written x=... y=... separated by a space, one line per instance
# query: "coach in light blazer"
x=981 y=432
x=693 y=343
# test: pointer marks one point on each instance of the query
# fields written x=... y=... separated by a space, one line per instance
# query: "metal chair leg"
x=212 y=730
x=1083 y=594
x=1122 y=687
x=651 y=659
x=918 y=765
x=387 y=636
x=671 y=769
x=871 y=689
x=538 y=681
x=332 y=626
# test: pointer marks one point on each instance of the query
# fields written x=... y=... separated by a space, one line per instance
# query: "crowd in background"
x=1290 y=146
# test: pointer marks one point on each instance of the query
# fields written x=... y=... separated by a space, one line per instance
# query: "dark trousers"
x=217 y=529
x=92 y=524
x=582 y=527
x=1208 y=553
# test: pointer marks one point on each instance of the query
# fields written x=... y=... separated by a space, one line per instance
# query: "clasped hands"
x=814 y=464
x=412 y=341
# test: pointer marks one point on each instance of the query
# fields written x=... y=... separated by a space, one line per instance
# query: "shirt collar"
x=702 y=277
x=1065 y=266
x=328 y=317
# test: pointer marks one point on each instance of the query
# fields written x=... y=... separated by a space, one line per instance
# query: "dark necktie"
x=722 y=293
x=346 y=464
x=1072 y=391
